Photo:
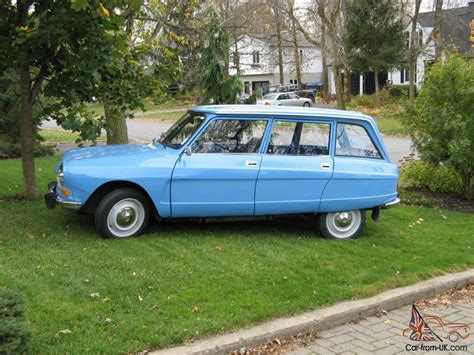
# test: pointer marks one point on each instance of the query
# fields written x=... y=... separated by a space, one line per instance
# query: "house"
x=256 y=58
x=457 y=33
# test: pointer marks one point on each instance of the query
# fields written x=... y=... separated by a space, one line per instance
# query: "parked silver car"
x=284 y=99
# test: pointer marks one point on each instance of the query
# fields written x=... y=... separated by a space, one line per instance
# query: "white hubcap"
x=343 y=224
x=126 y=217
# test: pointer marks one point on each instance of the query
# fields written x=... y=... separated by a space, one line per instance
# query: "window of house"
x=301 y=54
x=256 y=57
x=231 y=136
x=420 y=38
x=354 y=141
x=299 y=138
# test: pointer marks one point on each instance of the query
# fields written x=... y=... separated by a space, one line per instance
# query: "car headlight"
x=60 y=174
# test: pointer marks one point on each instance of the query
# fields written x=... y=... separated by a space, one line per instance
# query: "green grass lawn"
x=51 y=135
x=185 y=280
x=149 y=106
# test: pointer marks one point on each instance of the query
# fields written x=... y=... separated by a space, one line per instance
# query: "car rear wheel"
x=122 y=213
x=306 y=104
x=342 y=225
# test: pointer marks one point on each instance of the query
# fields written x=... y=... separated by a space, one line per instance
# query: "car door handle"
x=251 y=163
x=325 y=166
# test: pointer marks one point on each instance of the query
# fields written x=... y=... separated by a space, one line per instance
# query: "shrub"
x=442 y=123
x=14 y=330
x=437 y=178
x=10 y=150
x=362 y=100
x=398 y=91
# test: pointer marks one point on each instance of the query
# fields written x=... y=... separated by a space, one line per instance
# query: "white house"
x=457 y=24
x=257 y=60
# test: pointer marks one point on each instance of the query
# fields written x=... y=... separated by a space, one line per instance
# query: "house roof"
x=302 y=112
x=454 y=26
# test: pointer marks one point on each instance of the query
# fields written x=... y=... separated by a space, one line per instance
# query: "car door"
x=283 y=100
x=295 y=100
x=295 y=168
x=218 y=178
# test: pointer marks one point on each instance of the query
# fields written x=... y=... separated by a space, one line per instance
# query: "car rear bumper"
x=51 y=199
x=391 y=204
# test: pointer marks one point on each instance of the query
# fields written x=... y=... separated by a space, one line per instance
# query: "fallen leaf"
x=140 y=298
x=108 y=320
x=95 y=294
x=387 y=321
x=106 y=299
x=195 y=309
x=64 y=331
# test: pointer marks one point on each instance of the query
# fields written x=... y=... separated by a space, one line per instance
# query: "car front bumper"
x=52 y=199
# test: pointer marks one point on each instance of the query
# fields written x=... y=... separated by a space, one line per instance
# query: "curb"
x=323 y=318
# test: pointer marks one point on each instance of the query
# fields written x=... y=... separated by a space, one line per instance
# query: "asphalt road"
x=143 y=130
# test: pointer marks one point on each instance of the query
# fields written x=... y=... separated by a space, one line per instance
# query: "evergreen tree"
x=217 y=88
x=375 y=39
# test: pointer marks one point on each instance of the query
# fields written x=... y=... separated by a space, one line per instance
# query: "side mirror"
x=188 y=150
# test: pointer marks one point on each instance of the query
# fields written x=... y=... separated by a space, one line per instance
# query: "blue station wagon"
x=234 y=161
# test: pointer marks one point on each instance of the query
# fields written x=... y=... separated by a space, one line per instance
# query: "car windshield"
x=270 y=96
x=179 y=133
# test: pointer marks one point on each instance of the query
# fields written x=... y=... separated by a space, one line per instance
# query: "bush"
x=398 y=91
x=423 y=176
x=441 y=124
x=362 y=100
x=14 y=330
x=10 y=150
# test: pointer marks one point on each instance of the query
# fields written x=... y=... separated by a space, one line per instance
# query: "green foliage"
x=424 y=176
x=218 y=87
x=362 y=100
x=398 y=91
x=375 y=37
x=14 y=330
x=9 y=149
x=441 y=123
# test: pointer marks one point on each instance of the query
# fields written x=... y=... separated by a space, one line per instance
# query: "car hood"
x=112 y=151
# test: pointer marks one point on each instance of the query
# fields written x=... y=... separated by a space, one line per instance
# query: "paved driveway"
x=384 y=334
x=145 y=130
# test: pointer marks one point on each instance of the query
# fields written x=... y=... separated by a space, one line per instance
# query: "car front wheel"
x=122 y=213
x=306 y=104
x=342 y=225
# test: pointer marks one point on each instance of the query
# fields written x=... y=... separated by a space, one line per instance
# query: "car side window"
x=283 y=97
x=354 y=141
x=231 y=136
x=299 y=138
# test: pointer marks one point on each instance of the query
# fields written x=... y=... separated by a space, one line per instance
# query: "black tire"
x=135 y=207
x=329 y=230
x=306 y=104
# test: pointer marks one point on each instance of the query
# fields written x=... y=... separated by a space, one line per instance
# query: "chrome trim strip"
x=391 y=204
x=70 y=205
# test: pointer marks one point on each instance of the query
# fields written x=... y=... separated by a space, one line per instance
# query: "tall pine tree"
x=217 y=88
x=375 y=39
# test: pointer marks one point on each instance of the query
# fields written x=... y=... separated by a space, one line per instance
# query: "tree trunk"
x=280 y=53
x=297 y=51
x=324 y=54
x=347 y=83
x=339 y=88
x=116 y=124
x=437 y=28
x=27 y=128
x=413 y=52
x=377 y=90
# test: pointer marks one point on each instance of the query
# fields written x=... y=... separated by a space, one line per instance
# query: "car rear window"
x=354 y=141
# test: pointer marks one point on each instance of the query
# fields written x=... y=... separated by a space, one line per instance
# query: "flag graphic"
x=420 y=331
